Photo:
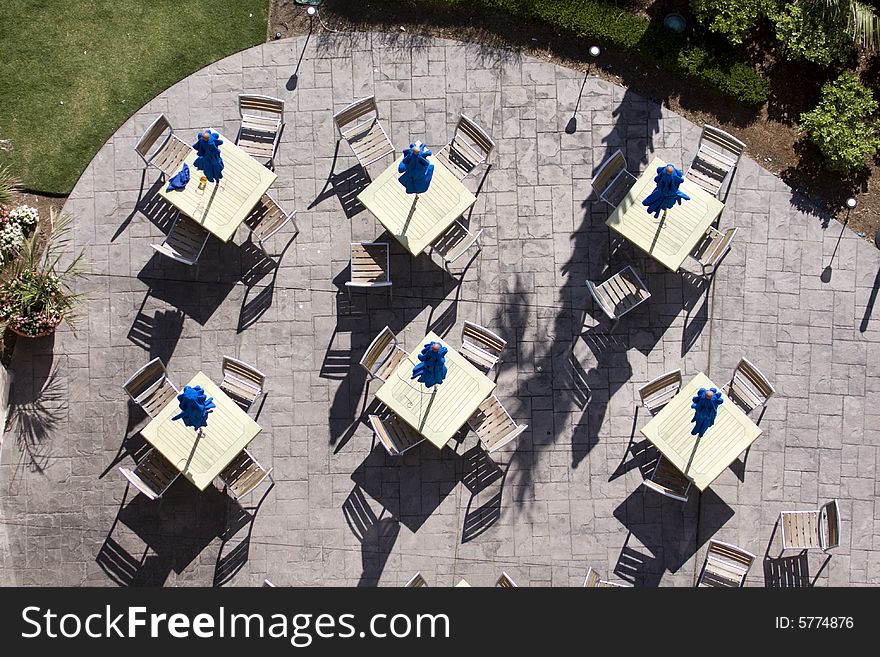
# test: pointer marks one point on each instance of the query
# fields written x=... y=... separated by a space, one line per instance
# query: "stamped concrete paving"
x=567 y=495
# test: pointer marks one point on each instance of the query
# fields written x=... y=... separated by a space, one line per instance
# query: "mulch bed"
x=771 y=133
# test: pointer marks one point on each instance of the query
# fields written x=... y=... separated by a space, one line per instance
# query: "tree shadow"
x=828 y=191
x=376 y=534
x=231 y=561
x=411 y=487
x=38 y=402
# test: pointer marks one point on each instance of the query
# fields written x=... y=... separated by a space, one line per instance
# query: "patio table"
x=200 y=460
x=417 y=223
x=669 y=240
x=701 y=460
x=439 y=412
x=222 y=208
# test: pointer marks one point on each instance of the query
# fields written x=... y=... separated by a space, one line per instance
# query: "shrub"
x=842 y=124
x=653 y=43
x=729 y=18
x=806 y=33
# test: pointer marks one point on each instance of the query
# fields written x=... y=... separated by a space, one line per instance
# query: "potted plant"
x=35 y=289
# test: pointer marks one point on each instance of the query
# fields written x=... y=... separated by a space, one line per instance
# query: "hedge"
x=652 y=42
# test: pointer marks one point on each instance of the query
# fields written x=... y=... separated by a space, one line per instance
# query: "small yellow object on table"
x=416 y=223
x=439 y=412
x=201 y=458
x=701 y=460
x=221 y=207
x=667 y=240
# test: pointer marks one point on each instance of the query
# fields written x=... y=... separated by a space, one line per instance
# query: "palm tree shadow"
x=38 y=402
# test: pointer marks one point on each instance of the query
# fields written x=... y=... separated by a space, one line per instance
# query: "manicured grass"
x=72 y=72
x=611 y=25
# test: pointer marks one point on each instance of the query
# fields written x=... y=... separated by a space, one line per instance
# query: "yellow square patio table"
x=416 y=223
x=201 y=459
x=701 y=460
x=668 y=240
x=439 y=412
x=222 y=208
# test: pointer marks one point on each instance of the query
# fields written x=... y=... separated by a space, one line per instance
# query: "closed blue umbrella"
x=195 y=406
x=666 y=194
x=416 y=169
x=179 y=181
x=705 y=405
x=209 y=160
x=431 y=369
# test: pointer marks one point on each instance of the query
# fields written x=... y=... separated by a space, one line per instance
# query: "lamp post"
x=571 y=126
x=851 y=204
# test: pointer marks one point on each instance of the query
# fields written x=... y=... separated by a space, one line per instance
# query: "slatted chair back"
x=829 y=525
x=383 y=355
x=184 y=242
x=620 y=293
x=455 y=242
x=416 y=582
x=469 y=147
x=592 y=579
x=262 y=119
x=718 y=155
x=396 y=436
x=267 y=218
x=494 y=426
x=712 y=248
x=612 y=181
x=244 y=474
x=668 y=481
x=505 y=581
x=152 y=476
x=359 y=125
x=657 y=393
x=166 y=152
x=370 y=265
x=749 y=387
x=150 y=387
x=481 y=346
x=726 y=565
x=241 y=381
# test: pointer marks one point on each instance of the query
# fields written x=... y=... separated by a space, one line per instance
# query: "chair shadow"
x=133 y=445
x=175 y=530
x=124 y=568
x=158 y=334
x=345 y=185
x=176 y=285
x=155 y=208
x=638 y=568
x=480 y=473
x=638 y=454
x=237 y=517
x=410 y=487
x=696 y=309
x=256 y=265
x=376 y=534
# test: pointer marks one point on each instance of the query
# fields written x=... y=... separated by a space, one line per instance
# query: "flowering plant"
x=35 y=293
x=25 y=216
x=11 y=239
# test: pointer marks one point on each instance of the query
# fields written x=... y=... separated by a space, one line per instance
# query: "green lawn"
x=72 y=72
